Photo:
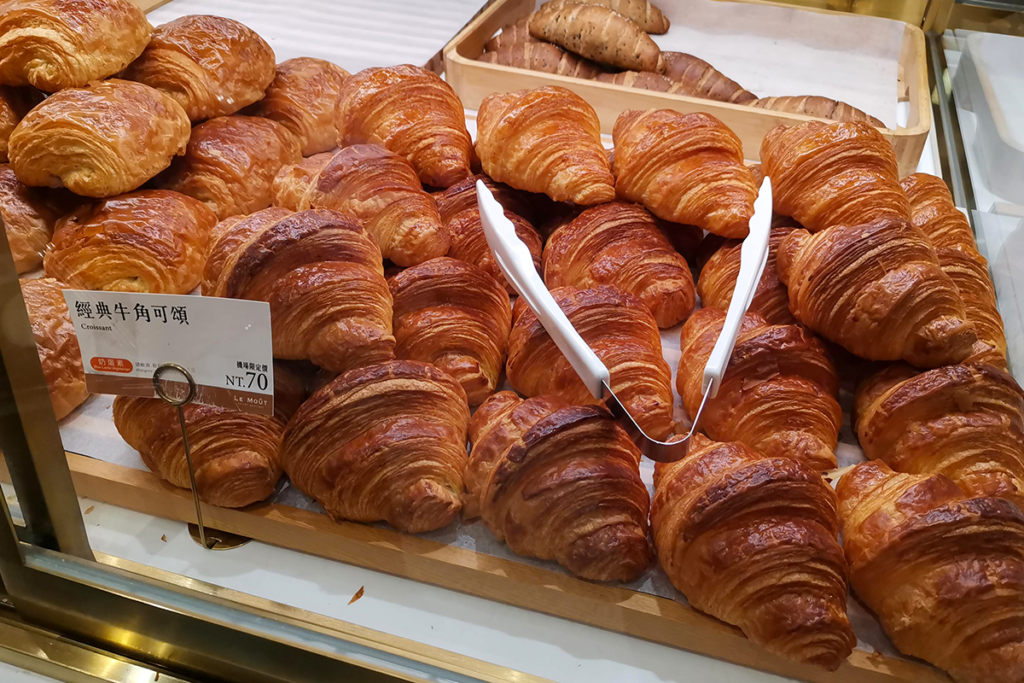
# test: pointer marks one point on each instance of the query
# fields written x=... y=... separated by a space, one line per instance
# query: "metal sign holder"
x=210 y=539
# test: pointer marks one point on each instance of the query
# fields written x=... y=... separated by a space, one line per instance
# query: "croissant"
x=460 y=214
x=28 y=220
x=412 y=112
x=384 y=442
x=303 y=97
x=323 y=277
x=597 y=33
x=212 y=66
x=536 y=55
x=56 y=44
x=56 y=343
x=643 y=12
x=14 y=104
x=645 y=80
x=559 y=482
x=294 y=180
x=933 y=213
x=963 y=421
x=751 y=540
x=877 y=290
x=941 y=569
x=380 y=189
x=697 y=78
x=236 y=455
x=826 y=174
x=820 y=107
x=98 y=141
x=779 y=393
x=623 y=245
x=153 y=241
x=231 y=163
x=515 y=33
x=685 y=168
x=457 y=317
x=621 y=331
x=546 y=140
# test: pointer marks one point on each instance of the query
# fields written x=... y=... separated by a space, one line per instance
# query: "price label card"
x=225 y=345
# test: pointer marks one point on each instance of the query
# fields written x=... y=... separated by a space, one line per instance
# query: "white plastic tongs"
x=516 y=263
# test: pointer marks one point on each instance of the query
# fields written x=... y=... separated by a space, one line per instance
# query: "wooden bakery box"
x=474 y=80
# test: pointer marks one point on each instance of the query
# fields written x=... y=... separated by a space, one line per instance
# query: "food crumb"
x=89 y=509
x=164 y=538
x=359 y=594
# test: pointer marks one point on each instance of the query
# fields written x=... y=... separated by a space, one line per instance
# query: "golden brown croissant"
x=412 y=112
x=323 y=277
x=236 y=455
x=383 y=442
x=820 y=107
x=546 y=140
x=722 y=266
x=826 y=174
x=304 y=99
x=536 y=55
x=621 y=331
x=460 y=214
x=57 y=44
x=153 y=241
x=231 y=163
x=685 y=168
x=697 y=78
x=212 y=66
x=14 y=104
x=623 y=245
x=751 y=540
x=597 y=33
x=779 y=393
x=56 y=343
x=963 y=421
x=877 y=290
x=933 y=212
x=455 y=316
x=99 y=141
x=380 y=189
x=28 y=220
x=942 y=570
x=559 y=482
x=294 y=180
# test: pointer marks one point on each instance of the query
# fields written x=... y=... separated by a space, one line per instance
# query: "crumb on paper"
x=359 y=594
x=164 y=538
x=89 y=509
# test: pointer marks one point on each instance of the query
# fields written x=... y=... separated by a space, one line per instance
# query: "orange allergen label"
x=111 y=364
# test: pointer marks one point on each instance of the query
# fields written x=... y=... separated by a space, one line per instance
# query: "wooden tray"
x=474 y=81
x=611 y=607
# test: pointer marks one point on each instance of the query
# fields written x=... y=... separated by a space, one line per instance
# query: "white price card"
x=224 y=344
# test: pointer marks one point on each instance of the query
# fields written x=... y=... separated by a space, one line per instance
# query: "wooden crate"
x=552 y=592
x=474 y=80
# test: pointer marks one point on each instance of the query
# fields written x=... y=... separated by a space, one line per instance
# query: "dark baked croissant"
x=57 y=44
x=752 y=541
x=559 y=482
x=14 y=104
x=303 y=97
x=941 y=569
x=820 y=107
x=877 y=290
x=212 y=66
x=56 y=343
x=152 y=241
x=380 y=189
x=779 y=393
x=28 y=220
x=99 y=141
x=231 y=163
x=697 y=78
x=412 y=112
x=323 y=277
x=460 y=214
x=623 y=245
x=383 y=442
x=236 y=455
x=721 y=267
x=546 y=140
x=457 y=317
x=963 y=421
x=685 y=168
x=933 y=212
x=826 y=174
x=537 y=55
x=294 y=180
x=621 y=331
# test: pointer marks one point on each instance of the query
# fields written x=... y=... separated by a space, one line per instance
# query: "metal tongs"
x=516 y=263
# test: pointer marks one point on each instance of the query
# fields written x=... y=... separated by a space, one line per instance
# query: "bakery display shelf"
x=612 y=607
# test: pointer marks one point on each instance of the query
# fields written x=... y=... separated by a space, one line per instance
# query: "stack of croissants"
x=181 y=157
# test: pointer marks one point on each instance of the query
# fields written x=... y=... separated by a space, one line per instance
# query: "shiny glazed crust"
x=28 y=220
x=14 y=104
x=293 y=181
